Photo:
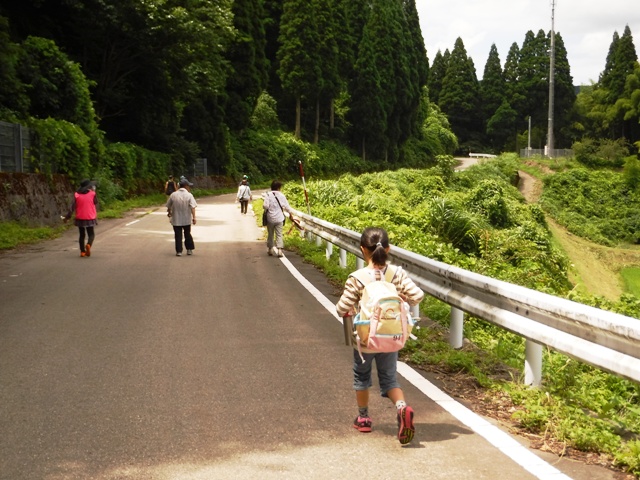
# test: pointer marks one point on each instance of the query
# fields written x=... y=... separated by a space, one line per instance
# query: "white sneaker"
x=178 y=254
x=189 y=252
x=280 y=254
x=270 y=252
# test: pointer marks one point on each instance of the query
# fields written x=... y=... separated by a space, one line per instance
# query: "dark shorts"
x=386 y=364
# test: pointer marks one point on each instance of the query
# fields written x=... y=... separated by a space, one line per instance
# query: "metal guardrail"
x=600 y=338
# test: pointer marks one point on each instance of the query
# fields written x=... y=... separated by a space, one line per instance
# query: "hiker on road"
x=181 y=209
x=244 y=196
x=275 y=204
x=374 y=244
x=84 y=205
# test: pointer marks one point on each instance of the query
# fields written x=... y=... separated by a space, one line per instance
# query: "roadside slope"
x=594 y=268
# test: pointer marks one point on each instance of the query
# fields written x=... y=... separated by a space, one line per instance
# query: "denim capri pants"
x=385 y=364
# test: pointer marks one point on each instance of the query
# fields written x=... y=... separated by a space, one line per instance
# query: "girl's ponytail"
x=376 y=241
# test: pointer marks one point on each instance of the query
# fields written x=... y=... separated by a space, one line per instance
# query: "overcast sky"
x=586 y=27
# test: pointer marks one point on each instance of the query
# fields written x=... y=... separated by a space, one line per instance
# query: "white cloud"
x=586 y=27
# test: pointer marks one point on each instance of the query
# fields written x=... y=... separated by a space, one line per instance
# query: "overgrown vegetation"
x=477 y=220
x=595 y=204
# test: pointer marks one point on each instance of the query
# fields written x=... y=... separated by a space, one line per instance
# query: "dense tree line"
x=194 y=78
x=494 y=112
x=185 y=77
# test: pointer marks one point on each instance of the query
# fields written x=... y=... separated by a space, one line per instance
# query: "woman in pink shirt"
x=85 y=202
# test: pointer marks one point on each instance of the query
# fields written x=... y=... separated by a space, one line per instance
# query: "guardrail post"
x=343 y=258
x=456 y=328
x=533 y=363
x=329 y=250
x=359 y=263
x=318 y=241
x=415 y=311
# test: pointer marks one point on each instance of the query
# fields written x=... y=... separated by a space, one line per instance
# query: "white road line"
x=131 y=223
x=496 y=437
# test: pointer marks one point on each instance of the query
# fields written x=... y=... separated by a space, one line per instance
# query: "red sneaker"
x=362 y=424
x=406 y=429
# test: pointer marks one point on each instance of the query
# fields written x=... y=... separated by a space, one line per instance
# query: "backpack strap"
x=367 y=275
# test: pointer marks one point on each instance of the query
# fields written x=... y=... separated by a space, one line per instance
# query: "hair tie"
x=378 y=244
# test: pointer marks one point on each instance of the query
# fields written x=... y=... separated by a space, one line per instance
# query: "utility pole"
x=529 y=142
x=552 y=73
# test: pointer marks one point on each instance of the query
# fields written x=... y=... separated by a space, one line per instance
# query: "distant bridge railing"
x=482 y=155
x=607 y=340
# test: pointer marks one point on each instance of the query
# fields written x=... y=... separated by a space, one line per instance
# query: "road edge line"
x=496 y=437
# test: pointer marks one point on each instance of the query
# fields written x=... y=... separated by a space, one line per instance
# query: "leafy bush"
x=600 y=153
x=134 y=169
x=487 y=199
x=632 y=172
x=60 y=147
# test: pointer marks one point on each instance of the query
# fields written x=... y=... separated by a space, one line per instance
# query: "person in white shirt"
x=181 y=209
x=275 y=204
x=244 y=196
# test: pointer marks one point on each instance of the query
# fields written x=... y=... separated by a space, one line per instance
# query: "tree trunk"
x=297 y=134
x=316 y=134
x=364 y=155
x=332 y=114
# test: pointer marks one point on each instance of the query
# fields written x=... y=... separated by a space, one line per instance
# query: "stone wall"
x=34 y=199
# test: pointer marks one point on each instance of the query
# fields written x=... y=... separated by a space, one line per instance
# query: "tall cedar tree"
x=564 y=96
x=605 y=77
x=459 y=98
x=330 y=23
x=515 y=94
x=436 y=75
x=273 y=13
x=420 y=61
x=533 y=78
x=371 y=93
x=492 y=86
x=407 y=70
x=355 y=14
x=493 y=97
x=385 y=93
x=299 y=70
x=625 y=58
x=620 y=63
x=246 y=54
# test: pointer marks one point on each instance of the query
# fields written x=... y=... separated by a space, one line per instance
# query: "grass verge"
x=14 y=234
x=631 y=278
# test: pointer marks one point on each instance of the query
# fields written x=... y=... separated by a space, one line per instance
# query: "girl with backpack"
x=374 y=244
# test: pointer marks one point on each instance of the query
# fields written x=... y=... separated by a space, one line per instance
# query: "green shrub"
x=60 y=147
x=600 y=153
x=632 y=172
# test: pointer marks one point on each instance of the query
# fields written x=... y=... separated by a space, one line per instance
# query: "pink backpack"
x=383 y=323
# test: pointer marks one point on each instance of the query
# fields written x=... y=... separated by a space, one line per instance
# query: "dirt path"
x=594 y=268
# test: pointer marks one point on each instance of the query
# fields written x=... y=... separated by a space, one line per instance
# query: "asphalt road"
x=137 y=364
